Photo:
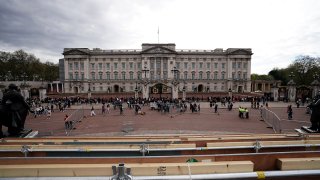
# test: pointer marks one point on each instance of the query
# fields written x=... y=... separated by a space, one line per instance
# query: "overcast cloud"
x=276 y=30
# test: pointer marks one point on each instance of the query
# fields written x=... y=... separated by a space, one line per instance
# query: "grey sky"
x=276 y=30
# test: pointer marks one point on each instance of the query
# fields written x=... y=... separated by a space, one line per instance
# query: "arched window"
x=108 y=75
x=185 y=75
x=223 y=74
x=200 y=75
x=131 y=75
x=216 y=75
x=193 y=75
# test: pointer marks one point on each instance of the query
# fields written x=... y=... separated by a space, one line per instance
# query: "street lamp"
x=136 y=91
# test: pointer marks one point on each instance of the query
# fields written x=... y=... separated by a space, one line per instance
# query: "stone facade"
x=143 y=70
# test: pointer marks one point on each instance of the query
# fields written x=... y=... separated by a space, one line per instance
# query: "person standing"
x=290 y=112
x=103 y=109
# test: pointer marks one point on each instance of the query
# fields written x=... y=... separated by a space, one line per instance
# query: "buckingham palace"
x=156 y=69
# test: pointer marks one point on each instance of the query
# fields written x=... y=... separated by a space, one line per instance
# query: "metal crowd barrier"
x=75 y=118
x=271 y=119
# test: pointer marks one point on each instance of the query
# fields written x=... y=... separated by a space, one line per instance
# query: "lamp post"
x=89 y=90
x=184 y=91
x=136 y=91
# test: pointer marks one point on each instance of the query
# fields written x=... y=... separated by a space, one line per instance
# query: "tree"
x=303 y=68
x=14 y=64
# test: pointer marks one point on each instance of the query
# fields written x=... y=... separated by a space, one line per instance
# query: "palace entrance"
x=160 y=90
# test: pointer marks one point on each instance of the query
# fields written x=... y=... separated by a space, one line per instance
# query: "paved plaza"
x=154 y=122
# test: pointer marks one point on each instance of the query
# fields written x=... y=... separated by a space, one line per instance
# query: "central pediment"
x=76 y=52
x=234 y=51
x=158 y=50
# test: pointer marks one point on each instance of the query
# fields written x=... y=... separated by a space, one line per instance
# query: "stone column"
x=62 y=86
x=292 y=91
x=42 y=93
x=174 y=88
x=25 y=92
x=51 y=87
x=145 y=91
x=315 y=88
x=275 y=93
x=57 y=87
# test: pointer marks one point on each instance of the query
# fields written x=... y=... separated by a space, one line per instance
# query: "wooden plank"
x=100 y=146
x=298 y=163
x=262 y=143
x=146 y=169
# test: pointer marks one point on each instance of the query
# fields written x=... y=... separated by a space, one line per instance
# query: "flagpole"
x=158 y=34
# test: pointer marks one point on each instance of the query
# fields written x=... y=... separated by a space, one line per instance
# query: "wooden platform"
x=158 y=155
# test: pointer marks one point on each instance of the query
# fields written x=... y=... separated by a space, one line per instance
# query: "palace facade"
x=156 y=68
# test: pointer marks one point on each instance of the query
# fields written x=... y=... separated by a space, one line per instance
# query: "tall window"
x=139 y=65
x=100 y=66
x=193 y=75
x=239 y=65
x=239 y=75
x=115 y=65
x=200 y=75
x=208 y=75
x=208 y=65
x=223 y=65
x=223 y=75
x=185 y=75
x=76 y=65
x=216 y=65
x=123 y=75
x=131 y=65
x=131 y=75
x=81 y=66
x=139 y=75
x=216 y=75
x=108 y=66
x=93 y=76
x=123 y=65
x=71 y=76
x=70 y=66
x=185 y=65
x=92 y=65
x=193 y=65
x=77 y=75
x=233 y=75
x=100 y=75
x=244 y=75
x=82 y=76
x=115 y=75
x=108 y=75
x=200 y=65
x=178 y=65
x=233 y=65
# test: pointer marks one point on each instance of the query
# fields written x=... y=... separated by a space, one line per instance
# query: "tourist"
x=92 y=112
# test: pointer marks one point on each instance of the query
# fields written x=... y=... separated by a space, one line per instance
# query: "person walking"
x=92 y=112
x=103 y=109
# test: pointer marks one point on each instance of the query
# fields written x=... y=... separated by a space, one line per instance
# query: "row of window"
x=157 y=65
x=185 y=75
